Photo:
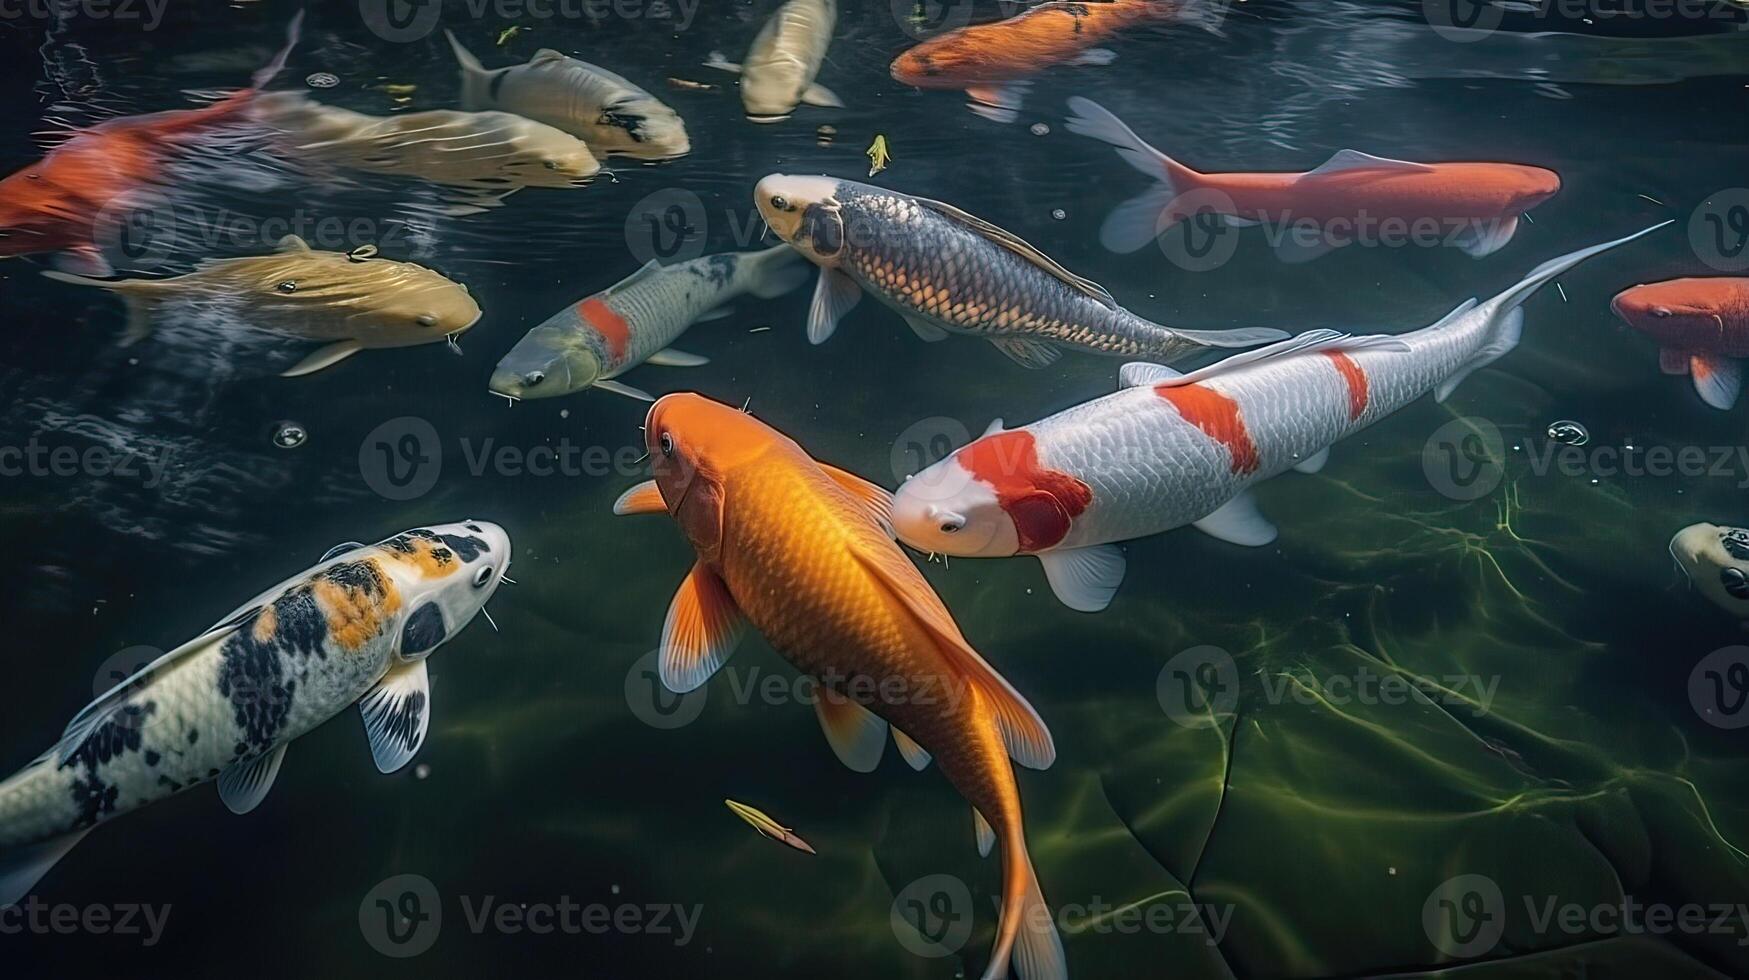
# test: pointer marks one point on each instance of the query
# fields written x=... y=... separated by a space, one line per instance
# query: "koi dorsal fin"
x=1014 y=243
x=1311 y=341
x=1343 y=161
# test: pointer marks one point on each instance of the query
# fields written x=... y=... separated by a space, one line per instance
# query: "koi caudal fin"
x=1026 y=936
x=1138 y=221
x=1504 y=314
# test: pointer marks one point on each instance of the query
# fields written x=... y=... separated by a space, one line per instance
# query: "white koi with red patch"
x=1168 y=450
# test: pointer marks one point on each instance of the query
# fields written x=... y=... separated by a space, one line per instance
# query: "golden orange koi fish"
x=804 y=552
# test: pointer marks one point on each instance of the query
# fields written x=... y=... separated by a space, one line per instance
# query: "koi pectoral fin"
x=857 y=735
x=322 y=357
x=1084 y=579
x=645 y=498
x=1719 y=380
x=703 y=628
x=397 y=714
x=243 y=785
x=915 y=755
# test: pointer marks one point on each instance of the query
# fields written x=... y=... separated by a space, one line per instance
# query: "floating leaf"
x=878 y=157
x=767 y=826
x=505 y=35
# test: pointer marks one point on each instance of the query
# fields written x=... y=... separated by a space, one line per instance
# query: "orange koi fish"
x=1352 y=197
x=991 y=61
x=56 y=204
x=1702 y=329
x=804 y=552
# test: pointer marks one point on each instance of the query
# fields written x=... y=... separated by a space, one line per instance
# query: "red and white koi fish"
x=55 y=204
x=1702 y=330
x=1474 y=206
x=1170 y=449
x=1716 y=560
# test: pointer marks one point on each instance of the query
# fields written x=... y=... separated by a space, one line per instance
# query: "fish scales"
x=918 y=260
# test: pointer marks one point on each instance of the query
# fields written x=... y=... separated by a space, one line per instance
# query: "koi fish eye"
x=667 y=445
x=1735 y=582
x=533 y=378
x=289 y=286
x=482 y=576
x=780 y=202
x=951 y=527
x=1660 y=312
x=427 y=319
x=550 y=164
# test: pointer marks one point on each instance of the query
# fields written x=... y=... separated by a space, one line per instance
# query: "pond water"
x=1427 y=727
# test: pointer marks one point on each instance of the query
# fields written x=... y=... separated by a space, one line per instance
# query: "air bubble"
x=290 y=435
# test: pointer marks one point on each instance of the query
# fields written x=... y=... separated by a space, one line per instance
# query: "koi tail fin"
x=476 y=80
x=136 y=294
x=1026 y=936
x=1138 y=221
x=773 y=272
x=293 y=32
x=1505 y=312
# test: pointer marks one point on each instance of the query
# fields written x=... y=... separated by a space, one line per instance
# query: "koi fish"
x=1702 y=330
x=990 y=62
x=356 y=628
x=489 y=154
x=352 y=300
x=591 y=103
x=802 y=551
x=56 y=204
x=945 y=271
x=786 y=56
x=1170 y=449
x=1474 y=206
x=633 y=321
x=1716 y=560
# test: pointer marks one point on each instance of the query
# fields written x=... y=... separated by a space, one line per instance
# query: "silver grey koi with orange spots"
x=355 y=629
x=1170 y=449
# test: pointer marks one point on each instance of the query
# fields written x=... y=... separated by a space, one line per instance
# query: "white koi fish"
x=1716 y=560
x=354 y=629
x=632 y=322
x=1170 y=449
x=591 y=103
x=785 y=58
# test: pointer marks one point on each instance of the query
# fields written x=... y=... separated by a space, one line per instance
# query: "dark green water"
x=1300 y=830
